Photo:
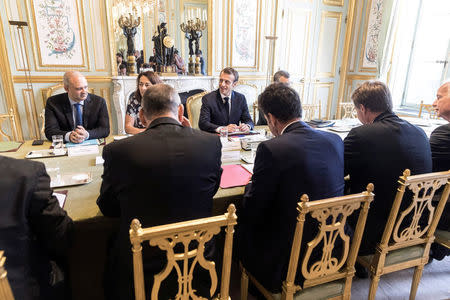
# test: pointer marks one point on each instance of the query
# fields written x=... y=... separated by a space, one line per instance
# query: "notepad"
x=234 y=175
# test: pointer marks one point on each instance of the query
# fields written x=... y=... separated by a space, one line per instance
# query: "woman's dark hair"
x=152 y=76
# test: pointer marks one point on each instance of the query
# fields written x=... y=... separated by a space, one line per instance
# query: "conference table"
x=93 y=231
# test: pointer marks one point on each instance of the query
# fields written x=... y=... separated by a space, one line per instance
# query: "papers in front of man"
x=228 y=145
x=99 y=160
x=46 y=153
x=85 y=150
x=252 y=141
x=58 y=180
x=85 y=143
x=234 y=175
x=248 y=167
x=231 y=156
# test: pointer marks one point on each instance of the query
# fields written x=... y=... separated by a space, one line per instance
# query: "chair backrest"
x=185 y=95
x=429 y=108
x=403 y=228
x=193 y=105
x=5 y=288
x=12 y=123
x=311 y=111
x=347 y=111
x=166 y=237
x=331 y=215
x=53 y=90
x=42 y=117
x=250 y=91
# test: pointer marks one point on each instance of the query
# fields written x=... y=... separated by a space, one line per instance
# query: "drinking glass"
x=223 y=132
x=57 y=143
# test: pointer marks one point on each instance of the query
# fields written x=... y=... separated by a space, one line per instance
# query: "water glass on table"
x=57 y=143
x=223 y=132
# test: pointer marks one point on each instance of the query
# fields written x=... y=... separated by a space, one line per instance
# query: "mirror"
x=152 y=13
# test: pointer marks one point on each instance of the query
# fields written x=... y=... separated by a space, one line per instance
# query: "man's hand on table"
x=78 y=135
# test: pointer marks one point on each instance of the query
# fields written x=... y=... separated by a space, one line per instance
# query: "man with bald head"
x=76 y=114
x=440 y=152
x=167 y=173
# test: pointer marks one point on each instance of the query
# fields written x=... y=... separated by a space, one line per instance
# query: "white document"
x=230 y=156
x=248 y=167
x=99 y=160
x=61 y=198
x=84 y=150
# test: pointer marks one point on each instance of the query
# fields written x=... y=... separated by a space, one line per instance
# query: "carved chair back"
x=409 y=227
x=311 y=111
x=194 y=105
x=331 y=215
x=347 y=110
x=250 y=91
x=166 y=237
x=12 y=124
x=429 y=108
x=5 y=288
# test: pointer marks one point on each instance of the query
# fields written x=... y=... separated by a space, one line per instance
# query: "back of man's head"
x=281 y=101
x=160 y=99
x=373 y=95
x=279 y=74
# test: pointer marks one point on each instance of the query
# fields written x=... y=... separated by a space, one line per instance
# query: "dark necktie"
x=78 y=115
x=227 y=108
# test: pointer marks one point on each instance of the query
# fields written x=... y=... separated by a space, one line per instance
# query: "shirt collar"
x=73 y=102
x=282 y=131
x=223 y=96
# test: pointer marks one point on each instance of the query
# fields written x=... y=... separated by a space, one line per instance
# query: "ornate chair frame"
x=167 y=236
x=309 y=111
x=329 y=268
x=255 y=101
x=387 y=257
x=349 y=110
x=11 y=117
x=190 y=111
x=429 y=108
x=5 y=288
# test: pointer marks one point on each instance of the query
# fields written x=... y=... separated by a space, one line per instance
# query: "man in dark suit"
x=76 y=115
x=299 y=160
x=34 y=229
x=225 y=107
x=378 y=152
x=168 y=173
x=279 y=76
x=440 y=152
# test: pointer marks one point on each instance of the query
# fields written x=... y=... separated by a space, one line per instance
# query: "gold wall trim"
x=363 y=44
x=210 y=37
x=334 y=2
x=31 y=113
x=6 y=77
x=54 y=79
x=345 y=55
x=338 y=17
x=356 y=27
x=91 y=10
x=12 y=34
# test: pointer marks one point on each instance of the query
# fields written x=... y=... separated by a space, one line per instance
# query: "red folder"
x=234 y=175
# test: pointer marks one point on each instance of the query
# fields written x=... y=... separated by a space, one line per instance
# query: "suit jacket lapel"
x=234 y=112
x=86 y=110
x=68 y=111
x=221 y=106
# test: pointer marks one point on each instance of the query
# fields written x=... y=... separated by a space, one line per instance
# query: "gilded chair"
x=166 y=237
x=442 y=237
x=429 y=109
x=311 y=111
x=42 y=117
x=331 y=276
x=347 y=110
x=406 y=242
x=250 y=91
x=193 y=105
x=5 y=288
x=12 y=124
x=53 y=90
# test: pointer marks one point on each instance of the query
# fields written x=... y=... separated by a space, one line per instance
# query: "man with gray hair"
x=76 y=115
x=440 y=152
x=168 y=173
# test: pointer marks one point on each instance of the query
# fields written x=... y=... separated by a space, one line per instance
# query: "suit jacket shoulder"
x=440 y=148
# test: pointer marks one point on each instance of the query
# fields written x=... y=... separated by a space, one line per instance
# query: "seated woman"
x=133 y=124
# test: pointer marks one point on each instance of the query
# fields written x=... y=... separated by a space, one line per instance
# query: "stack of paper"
x=230 y=145
x=84 y=150
x=231 y=156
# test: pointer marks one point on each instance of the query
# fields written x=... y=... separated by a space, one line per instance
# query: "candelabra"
x=193 y=32
x=129 y=24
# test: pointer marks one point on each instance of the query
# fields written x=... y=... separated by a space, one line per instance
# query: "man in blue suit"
x=225 y=107
x=299 y=160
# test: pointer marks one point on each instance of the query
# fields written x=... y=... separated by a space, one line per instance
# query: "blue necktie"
x=78 y=115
